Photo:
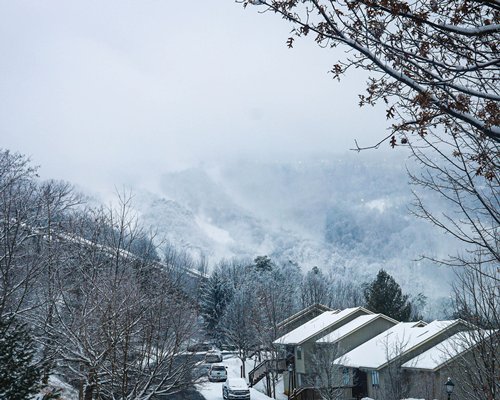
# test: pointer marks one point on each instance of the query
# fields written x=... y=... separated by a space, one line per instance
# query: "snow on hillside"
x=349 y=216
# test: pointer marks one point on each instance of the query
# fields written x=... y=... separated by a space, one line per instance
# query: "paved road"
x=190 y=394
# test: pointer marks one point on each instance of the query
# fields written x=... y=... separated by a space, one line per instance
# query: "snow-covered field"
x=213 y=390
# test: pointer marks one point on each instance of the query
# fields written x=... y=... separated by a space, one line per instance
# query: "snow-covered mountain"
x=348 y=215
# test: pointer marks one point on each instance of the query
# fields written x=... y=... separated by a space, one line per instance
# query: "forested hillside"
x=109 y=297
x=348 y=215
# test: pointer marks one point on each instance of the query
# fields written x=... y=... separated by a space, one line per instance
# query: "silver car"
x=217 y=373
x=235 y=389
x=213 y=356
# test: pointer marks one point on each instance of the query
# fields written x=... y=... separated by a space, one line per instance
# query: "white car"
x=235 y=389
x=213 y=356
x=217 y=373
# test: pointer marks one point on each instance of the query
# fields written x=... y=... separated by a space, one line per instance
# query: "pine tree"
x=215 y=296
x=19 y=377
x=263 y=263
x=384 y=295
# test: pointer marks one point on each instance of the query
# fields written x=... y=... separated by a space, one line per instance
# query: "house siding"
x=405 y=377
x=364 y=334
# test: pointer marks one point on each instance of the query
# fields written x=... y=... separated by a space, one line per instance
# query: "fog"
x=118 y=92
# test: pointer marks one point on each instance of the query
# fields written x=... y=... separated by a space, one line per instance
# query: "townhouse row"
x=356 y=353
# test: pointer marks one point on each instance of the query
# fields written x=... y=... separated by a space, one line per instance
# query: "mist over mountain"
x=348 y=215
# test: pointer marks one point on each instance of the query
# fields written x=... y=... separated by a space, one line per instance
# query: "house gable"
x=448 y=350
x=403 y=342
x=301 y=317
x=320 y=326
x=357 y=332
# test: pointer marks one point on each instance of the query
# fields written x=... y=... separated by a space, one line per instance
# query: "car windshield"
x=218 y=368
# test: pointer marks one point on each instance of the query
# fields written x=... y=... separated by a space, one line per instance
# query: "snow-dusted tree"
x=105 y=312
x=394 y=382
x=216 y=293
x=263 y=263
x=19 y=265
x=477 y=300
x=315 y=288
x=56 y=202
x=239 y=322
x=345 y=294
x=384 y=295
x=119 y=322
x=276 y=292
x=326 y=375
x=19 y=376
x=32 y=218
x=177 y=261
x=235 y=271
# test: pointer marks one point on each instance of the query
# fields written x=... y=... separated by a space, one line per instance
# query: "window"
x=299 y=353
x=345 y=376
x=375 y=378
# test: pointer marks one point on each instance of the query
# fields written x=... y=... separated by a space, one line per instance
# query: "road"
x=190 y=394
x=206 y=390
x=213 y=390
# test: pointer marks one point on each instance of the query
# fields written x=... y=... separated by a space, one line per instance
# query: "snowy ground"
x=213 y=390
x=209 y=390
x=67 y=392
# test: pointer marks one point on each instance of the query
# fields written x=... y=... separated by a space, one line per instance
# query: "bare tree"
x=394 y=381
x=56 y=201
x=477 y=301
x=239 y=322
x=19 y=266
x=315 y=288
x=327 y=376
x=119 y=322
x=432 y=62
x=345 y=294
x=273 y=306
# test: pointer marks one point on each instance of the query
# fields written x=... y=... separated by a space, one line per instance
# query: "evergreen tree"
x=263 y=263
x=215 y=296
x=18 y=375
x=384 y=295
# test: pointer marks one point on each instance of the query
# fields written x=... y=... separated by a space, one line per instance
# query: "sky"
x=104 y=93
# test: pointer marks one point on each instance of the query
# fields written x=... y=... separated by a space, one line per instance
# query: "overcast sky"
x=102 y=92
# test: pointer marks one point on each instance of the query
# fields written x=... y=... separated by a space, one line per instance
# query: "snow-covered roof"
x=351 y=327
x=398 y=340
x=447 y=350
x=301 y=313
x=316 y=325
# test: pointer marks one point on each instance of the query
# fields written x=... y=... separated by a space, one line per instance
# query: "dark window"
x=299 y=353
x=345 y=376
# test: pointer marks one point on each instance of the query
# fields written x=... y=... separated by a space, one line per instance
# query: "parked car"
x=213 y=356
x=228 y=347
x=235 y=389
x=217 y=373
x=201 y=346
